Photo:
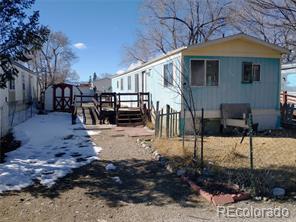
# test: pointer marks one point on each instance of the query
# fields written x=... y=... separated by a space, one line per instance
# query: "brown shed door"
x=62 y=96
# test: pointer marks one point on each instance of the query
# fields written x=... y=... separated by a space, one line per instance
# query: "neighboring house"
x=289 y=78
x=234 y=69
x=17 y=100
x=86 y=88
x=102 y=85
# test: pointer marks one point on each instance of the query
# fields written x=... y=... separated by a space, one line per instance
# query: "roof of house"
x=289 y=66
x=105 y=78
x=23 y=67
x=275 y=47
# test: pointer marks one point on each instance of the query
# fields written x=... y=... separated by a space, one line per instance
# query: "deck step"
x=129 y=117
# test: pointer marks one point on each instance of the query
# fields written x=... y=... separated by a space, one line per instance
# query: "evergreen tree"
x=20 y=35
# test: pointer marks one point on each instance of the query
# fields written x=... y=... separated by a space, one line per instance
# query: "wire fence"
x=244 y=156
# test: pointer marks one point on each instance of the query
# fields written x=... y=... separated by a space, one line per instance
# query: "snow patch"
x=110 y=167
x=48 y=152
x=117 y=180
x=93 y=132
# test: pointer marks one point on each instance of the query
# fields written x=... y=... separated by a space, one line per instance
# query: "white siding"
x=14 y=104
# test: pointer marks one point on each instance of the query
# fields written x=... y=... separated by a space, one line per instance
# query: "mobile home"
x=233 y=69
x=18 y=98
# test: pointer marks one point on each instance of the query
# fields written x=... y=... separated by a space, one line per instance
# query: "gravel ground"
x=147 y=192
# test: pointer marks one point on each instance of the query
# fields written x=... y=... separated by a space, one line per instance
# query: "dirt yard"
x=273 y=153
x=147 y=192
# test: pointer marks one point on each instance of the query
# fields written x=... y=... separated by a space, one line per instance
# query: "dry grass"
x=273 y=154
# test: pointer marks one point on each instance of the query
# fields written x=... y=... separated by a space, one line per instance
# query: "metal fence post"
x=202 y=140
x=250 y=125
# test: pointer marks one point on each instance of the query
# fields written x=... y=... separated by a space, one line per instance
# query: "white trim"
x=205 y=72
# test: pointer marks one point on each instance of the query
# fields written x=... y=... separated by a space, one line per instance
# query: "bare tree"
x=274 y=21
x=171 y=24
x=53 y=61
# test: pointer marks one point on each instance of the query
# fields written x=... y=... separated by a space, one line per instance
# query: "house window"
x=129 y=82
x=168 y=75
x=117 y=84
x=23 y=82
x=12 y=84
x=121 y=84
x=251 y=72
x=256 y=72
x=136 y=82
x=204 y=72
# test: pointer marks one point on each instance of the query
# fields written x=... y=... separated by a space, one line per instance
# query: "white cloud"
x=120 y=72
x=80 y=45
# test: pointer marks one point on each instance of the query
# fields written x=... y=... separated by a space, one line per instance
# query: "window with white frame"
x=121 y=84
x=168 y=75
x=204 y=72
x=129 y=83
x=12 y=84
x=251 y=72
x=136 y=82
x=117 y=84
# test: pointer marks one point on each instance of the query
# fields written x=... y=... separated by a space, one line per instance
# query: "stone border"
x=221 y=199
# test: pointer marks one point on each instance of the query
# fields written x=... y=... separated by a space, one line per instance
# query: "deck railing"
x=134 y=99
x=80 y=99
x=288 y=98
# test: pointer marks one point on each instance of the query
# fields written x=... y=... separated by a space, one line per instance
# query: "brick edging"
x=220 y=199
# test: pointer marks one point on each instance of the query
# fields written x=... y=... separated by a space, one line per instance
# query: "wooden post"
x=183 y=130
x=202 y=140
x=167 y=123
x=149 y=105
x=157 y=119
x=171 y=122
x=161 y=122
x=156 y=130
x=285 y=97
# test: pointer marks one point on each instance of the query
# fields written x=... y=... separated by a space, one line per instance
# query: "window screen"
x=168 y=75
x=256 y=72
x=121 y=84
x=12 y=84
x=136 y=82
x=212 y=75
x=129 y=82
x=247 y=72
x=197 y=72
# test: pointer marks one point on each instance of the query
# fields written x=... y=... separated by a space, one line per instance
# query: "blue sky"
x=104 y=26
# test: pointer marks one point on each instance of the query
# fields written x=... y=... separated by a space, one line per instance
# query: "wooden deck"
x=112 y=108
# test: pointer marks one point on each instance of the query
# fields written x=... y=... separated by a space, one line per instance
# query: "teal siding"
x=261 y=95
